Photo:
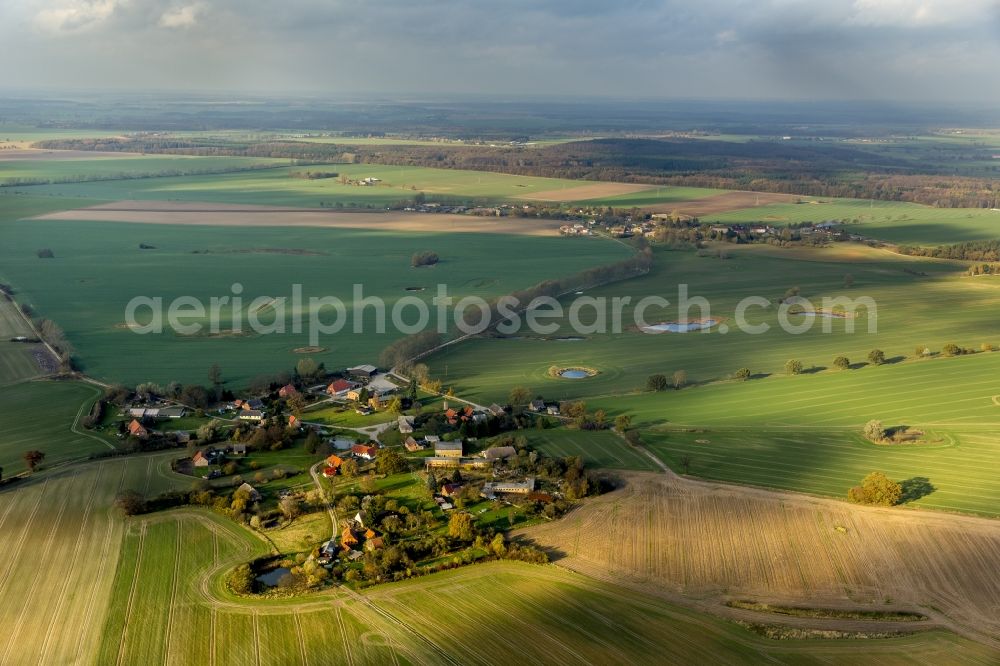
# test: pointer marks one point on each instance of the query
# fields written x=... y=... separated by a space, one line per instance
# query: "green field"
x=99 y=268
x=275 y=187
x=127 y=167
x=892 y=221
x=43 y=415
x=601 y=448
x=81 y=585
x=919 y=302
x=803 y=433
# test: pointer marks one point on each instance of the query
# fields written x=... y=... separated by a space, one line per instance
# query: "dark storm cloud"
x=915 y=49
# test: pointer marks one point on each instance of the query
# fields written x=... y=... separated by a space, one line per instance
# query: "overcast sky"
x=933 y=50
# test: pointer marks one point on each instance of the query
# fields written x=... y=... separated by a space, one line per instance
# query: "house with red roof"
x=364 y=451
x=287 y=391
x=340 y=387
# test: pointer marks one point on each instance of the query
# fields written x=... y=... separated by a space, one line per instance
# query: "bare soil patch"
x=595 y=190
x=723 y=203
x=708 y=543
x=308 y=350
x=236 y=215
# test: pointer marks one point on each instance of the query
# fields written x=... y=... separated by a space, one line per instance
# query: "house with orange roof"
x=136 y=429
x=287 y=391
x=293 y=421
x=199 y=459
x=334 y=461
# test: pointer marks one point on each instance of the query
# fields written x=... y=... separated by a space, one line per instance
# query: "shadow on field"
x=760 y=375
x=915 y=488
x=893 y=360
x=813 y=370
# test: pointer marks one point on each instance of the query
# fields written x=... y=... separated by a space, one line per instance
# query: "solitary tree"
x=951 y=349
x=875 y=431
x=33 y=459
x=623 y=422
x=685 y=461
x=742 y=374
x=841 y=363
x=130 y=502
x=461 y=527
x=519 y=396
x=793 y=366
x=432 y=483
x=290 y=508
x=876 y=357
x=877 y=489
x=215 y=374
x=657 y=382
x=680 y=378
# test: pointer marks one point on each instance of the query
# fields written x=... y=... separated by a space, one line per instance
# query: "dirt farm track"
x=709 y=542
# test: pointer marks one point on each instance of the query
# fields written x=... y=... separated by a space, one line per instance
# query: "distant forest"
x=827 y=169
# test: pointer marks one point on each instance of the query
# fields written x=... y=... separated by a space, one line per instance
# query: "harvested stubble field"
x=183 y=213
x=713 y=543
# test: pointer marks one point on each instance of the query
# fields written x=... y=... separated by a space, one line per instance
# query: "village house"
x=287 y=391
x=341 y=387
x=252 y=415
x=364 y=451
x=136 y=429
x=493 y=488
x=499 y=453
x=240 y=449
x=450 y=489
x=452 y=463
x=405 y=424
x=496 y=410
x=412 y=445
x=364 y=372
x=448 y=449
x=199 y=459
x=537 y=405
x=252 y=493
x=293 y=421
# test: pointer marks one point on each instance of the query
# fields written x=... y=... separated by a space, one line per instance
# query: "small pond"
x=271 y=578
x=574 y=374
x=681 y=327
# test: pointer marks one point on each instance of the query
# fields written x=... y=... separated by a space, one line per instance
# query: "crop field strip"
x=935 y=310
x=713 y=542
